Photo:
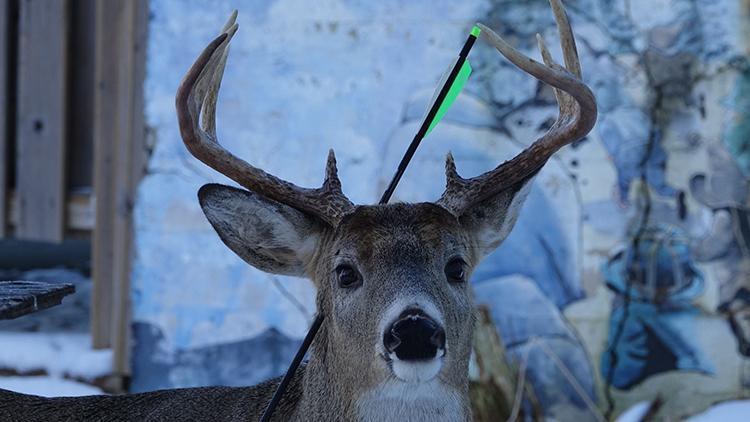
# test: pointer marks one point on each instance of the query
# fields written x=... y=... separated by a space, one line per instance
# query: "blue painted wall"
x=667 y=160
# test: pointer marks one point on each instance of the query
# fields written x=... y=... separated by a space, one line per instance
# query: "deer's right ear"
x=492 y=220
x=268 y=235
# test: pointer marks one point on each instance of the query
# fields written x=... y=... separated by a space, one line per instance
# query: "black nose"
x=414 y=336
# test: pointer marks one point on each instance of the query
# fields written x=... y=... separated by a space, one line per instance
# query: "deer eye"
x=347 y=275
x=455 y=270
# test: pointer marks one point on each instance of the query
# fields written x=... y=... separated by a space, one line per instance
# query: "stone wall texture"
x=630 y=263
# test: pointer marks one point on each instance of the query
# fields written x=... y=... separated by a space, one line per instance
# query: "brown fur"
x=183 y=404
x=399 y=250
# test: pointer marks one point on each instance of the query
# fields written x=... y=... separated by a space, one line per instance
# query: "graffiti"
x=737 y=138
x=654 y=332
x=725 y=191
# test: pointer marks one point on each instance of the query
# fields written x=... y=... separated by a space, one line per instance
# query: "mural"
x=725 y=192
x=651 y=326
x=628 y=273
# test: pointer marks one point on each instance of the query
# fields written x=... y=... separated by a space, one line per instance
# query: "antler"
x=196 y=98
x=576 y=118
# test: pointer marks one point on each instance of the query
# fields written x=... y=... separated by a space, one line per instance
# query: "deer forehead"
x=382 y=235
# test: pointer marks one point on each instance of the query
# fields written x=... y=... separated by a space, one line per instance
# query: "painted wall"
x=630 y=260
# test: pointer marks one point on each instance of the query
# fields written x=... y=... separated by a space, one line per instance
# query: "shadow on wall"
x=235 y=364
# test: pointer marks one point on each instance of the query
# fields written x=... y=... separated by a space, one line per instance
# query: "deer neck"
x=324 y=396
x=332 y=392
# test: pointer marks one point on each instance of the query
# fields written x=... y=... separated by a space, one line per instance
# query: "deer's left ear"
x=268 y=235
x=492 y=220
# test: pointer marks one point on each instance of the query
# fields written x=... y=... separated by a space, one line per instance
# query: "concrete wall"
x=660 y=185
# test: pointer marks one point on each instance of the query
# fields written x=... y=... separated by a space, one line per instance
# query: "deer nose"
x=414 y=336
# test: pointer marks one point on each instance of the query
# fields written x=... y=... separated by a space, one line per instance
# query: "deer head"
x=392 y=280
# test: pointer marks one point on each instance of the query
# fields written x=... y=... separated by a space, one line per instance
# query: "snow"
x=47 y=386
x=635 y=413
x=730 y=411
x=57 y=354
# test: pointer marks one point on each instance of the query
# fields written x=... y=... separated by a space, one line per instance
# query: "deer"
x=392 y=280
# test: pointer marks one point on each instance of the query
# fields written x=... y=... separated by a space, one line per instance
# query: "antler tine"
x=563 y=99
x=196 y=114
x=576 y=118
x=208 y=114
x=567 y=40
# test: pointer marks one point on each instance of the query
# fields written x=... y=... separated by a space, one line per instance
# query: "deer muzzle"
x=414 y=336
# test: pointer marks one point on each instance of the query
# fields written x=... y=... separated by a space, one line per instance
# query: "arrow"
x=446 y=95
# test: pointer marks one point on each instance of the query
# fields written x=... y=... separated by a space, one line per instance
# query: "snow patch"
x=58 y=354
x=47 y=386
x=635 y=413
x=730 y=411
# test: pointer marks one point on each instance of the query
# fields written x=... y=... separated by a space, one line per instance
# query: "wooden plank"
x=140 y=149
x=123 y=192
x=80 y=211
x=119 y=132
x=18 y=298
x=4 y=63
x=129 y=175
x=129 y=146
x=40 y=119
x=105 y=137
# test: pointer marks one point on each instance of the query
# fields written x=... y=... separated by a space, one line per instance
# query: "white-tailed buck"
x=392 y=280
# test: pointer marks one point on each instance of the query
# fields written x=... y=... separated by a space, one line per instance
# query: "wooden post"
x=105 y=112
x=128 y=179
x=120 y=156
x=41 y=120
x=122 y=191
x=4 y=63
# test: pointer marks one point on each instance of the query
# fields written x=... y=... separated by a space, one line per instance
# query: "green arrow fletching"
x=453 y=91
